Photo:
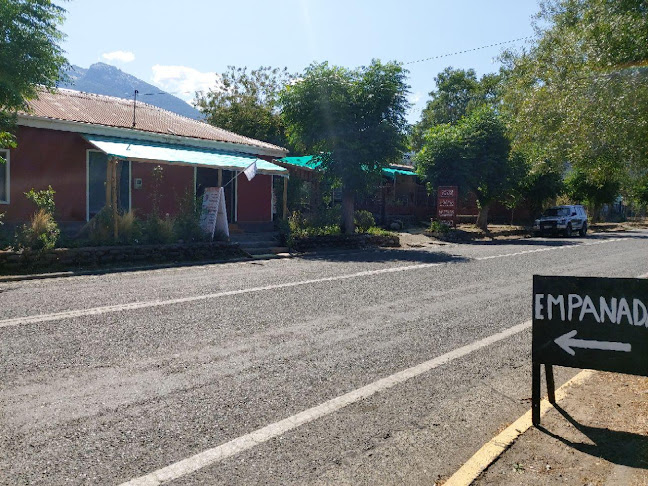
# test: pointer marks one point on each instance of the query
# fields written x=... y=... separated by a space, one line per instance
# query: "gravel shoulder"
x=598 y=435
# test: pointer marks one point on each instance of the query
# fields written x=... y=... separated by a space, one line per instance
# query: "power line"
x=469 y=50
x=440 y=56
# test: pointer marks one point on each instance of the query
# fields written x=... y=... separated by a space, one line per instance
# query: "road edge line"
x=494 y=448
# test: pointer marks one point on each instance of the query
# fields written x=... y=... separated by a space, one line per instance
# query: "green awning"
x=391 y=173
x=138 y=150
x=305 y=162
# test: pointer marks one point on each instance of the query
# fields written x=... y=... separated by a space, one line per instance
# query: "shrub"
x=374 y=230
x=41 y=233
x=157 y=230
x=43 y=199
x=186 y=225
x=363 y=221
x=128 y=228
x=100 y=229
x=439 y=227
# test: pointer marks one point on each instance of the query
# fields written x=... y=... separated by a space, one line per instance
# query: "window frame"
x=7 y=165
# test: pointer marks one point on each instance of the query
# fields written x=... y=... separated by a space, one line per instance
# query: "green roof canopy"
x=392 y=173
x=138 y=150
x=306 y=162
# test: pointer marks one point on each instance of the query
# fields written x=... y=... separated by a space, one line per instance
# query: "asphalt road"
x=108 y=378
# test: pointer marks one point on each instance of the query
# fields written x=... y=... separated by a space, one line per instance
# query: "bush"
x=100 y=229
x=439 y=227
x=158 y=230
x=186 y=225
x=43 y=199
x=374 y=230
x=41 y=233
x=363 y=221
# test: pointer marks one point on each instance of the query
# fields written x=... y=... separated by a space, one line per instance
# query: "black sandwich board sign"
x=590 y=323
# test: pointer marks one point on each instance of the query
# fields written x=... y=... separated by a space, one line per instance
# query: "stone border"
x=344 y=241
x=61 y=258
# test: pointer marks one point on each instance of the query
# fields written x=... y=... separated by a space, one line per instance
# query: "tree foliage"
x=458 y=93
x=247 y=103
x=30 y=55
x=579 y=94
x=473 y=154
x=354 y=119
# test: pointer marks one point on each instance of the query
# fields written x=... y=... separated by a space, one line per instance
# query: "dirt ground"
x=597 y=436
x=419 y=237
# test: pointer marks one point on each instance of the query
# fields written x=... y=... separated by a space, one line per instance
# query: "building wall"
x=255 y=199
x=42 y=158
x=49 y=157
x=176 y=182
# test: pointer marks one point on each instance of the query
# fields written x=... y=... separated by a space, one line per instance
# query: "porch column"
x=113 y=184
x=220 y=177
x=285 y=198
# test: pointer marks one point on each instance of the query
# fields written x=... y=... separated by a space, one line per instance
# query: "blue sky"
x=181 y=45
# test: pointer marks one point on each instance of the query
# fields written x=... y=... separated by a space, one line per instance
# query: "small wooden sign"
x=589 y=323
x=447 y=197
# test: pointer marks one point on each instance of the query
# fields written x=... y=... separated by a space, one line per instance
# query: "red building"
x=66 y=138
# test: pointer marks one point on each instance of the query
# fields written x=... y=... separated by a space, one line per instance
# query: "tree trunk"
x=482 y=218
x=348 y=206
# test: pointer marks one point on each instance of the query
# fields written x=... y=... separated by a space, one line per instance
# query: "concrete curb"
x=494 y=448
x=99 y=271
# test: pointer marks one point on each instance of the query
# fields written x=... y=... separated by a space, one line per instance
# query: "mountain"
x=108 y=80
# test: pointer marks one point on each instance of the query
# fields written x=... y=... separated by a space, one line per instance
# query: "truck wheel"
x=568 y=231
x=583 y=230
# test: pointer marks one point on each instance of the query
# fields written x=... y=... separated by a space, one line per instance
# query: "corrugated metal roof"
x=76 y=106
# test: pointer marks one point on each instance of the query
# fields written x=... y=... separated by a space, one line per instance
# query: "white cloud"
x=415 y=97
x=119 y=56
x=183 y=81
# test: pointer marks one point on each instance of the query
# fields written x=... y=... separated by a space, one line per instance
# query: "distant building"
x=66 y=137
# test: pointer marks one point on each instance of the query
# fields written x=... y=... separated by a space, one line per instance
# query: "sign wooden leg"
x=551 y=387
x=535 y=393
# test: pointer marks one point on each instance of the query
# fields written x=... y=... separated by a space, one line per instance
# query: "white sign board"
x=214 y=215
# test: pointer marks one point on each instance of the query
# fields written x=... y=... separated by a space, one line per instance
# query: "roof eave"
x=107 y=130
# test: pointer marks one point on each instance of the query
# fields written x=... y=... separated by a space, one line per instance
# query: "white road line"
x=93 y=311
x=17 y=321
x=264 y=434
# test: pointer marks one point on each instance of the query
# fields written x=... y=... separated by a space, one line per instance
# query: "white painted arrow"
x=567 y=343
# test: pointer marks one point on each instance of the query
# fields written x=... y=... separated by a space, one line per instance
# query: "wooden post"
x=220 y=177
x=551 y=386
x=108 y=183
x=535 y=393
x=114 y=199
x=285 y=198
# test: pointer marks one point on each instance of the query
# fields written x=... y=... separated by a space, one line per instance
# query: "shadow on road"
x=384 y=256
x=624 y=448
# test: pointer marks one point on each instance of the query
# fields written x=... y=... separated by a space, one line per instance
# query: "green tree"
x=355 y=121
x=593 y=189
x=579 y=94
x=458 y=93
x=473 y=154
x=247 y=103
x=30 y=56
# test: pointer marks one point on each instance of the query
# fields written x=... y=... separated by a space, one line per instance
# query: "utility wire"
x=440 y=56
x=469 y=50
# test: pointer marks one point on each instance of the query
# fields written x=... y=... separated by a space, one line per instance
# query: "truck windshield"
x=557 y=212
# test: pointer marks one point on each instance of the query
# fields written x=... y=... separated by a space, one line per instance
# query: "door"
x=97 y=165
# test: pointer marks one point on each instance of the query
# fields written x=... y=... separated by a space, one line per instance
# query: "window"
x=4 y=177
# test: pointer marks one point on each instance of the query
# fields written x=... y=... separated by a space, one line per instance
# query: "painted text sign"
x=447 y=203
x=592 y=323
